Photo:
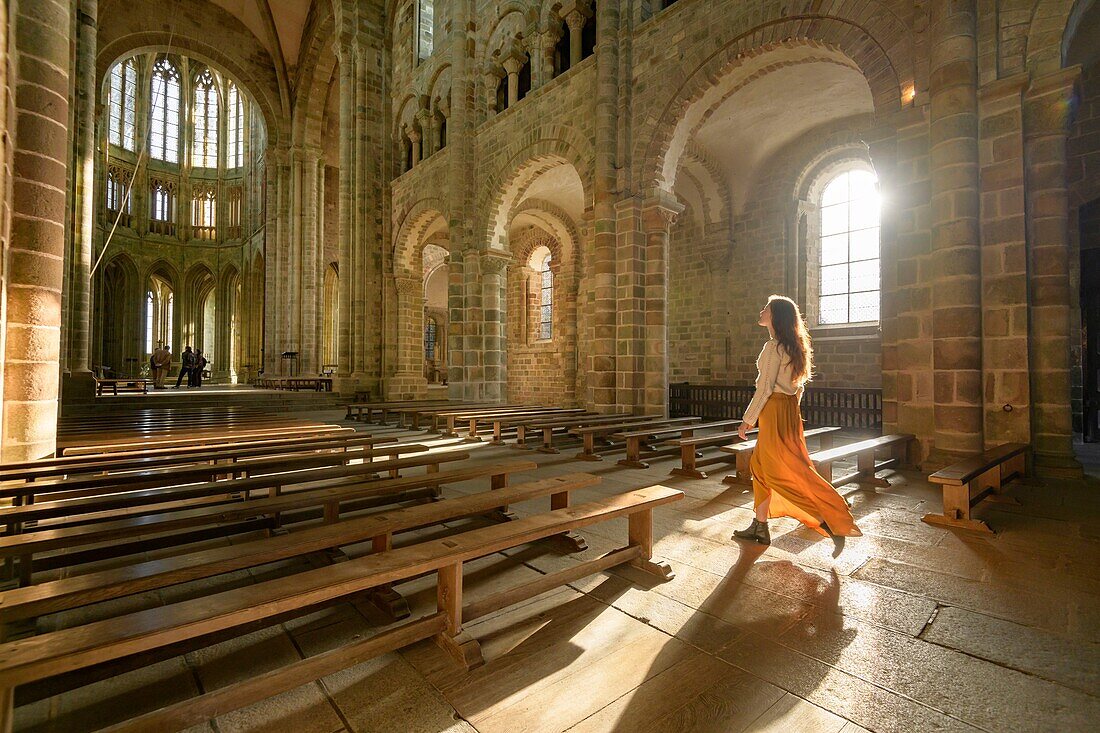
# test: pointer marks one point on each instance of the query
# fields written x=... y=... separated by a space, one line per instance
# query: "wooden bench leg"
x=497 y=439
x=743 y=477
x=570 y=541
x=956 y=509
x=460 y=645
x=589 y=451
x=640 y=534
x=865 y=465
x=548 y=441
x=384 y=597
x=687 y=464
x=633 y=454
x=7 y=709
x=521 y=438
x=501 y=513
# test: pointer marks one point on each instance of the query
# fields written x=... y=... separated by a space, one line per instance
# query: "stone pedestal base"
x=406 y=386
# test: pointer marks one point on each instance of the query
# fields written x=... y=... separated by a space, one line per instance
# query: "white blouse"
x=774 y=374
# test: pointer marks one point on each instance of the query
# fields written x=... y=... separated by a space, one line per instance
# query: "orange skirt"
x=781 y=469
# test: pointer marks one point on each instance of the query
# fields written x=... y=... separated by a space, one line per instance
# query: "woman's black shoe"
x=757 y=531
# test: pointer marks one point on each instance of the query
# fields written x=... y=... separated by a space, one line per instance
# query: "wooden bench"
x=192 y=621
x=866 y=464
x=378 y=529
x=410 y=417
x=445 y=422
x=498 y=420
x=636 y=438
x=500 y=424
x=689 y=451
x=127 y=385
x=966 y=483
x=155 y=524
x=742 y=453
x=566 y=424
x=215 y=438
x=359 y=410
x=589 y=433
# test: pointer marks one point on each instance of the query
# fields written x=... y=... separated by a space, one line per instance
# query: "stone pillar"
x=600 y=280
x=512 y=65
x=494 y=269
x=549 y=42
x=574 y=19
x=310 y=247
x=78 y=327
x=414 y=136
x=347 y=167
x=1047 y=105
x=658 y=216
x=39 y=58
x=956 y=258
x=408 y=380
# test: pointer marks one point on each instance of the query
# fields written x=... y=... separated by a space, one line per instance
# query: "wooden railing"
x=849 y=408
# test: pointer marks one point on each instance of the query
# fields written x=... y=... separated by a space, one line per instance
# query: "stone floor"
x=908 y=628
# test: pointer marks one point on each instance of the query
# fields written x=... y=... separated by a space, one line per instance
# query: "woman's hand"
x=743 y=430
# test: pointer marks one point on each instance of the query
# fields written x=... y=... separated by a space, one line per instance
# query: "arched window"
x=204 y=207
x=425 y=29
x=164 y=116
x=544 y=292
x=849 y=274
x=159 y=304
x=150 y=319
x=204 y=152
x=234 y=157
x=120 y=122
x=162 y=213
x=430 y=328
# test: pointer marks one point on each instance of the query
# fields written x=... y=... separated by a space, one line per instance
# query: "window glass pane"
x=546 y=313
x=864 y=276
x=834 y=309
x=862 y=185
x=864 y=244
x=865 y=213
x=545 y=332
x=864 y=307
x=834 y=249
x=834 y=279
x=149 y=322
x=836 y=192
x=834 y=219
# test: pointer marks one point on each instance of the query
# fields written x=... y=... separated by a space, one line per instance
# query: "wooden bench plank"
x=589 y=433
x=967 y=483
x=743 y=455
x=866 y=464
x=636 y=438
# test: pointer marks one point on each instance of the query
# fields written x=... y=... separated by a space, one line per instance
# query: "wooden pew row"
x=635 y=439
x=81 y=590
x=690 y=465
x=61 y=525
x=145 y=477
x=189 y=417
x=226 y=454
x=212 y=438
x=499 y=423
x=562 y=426
x=967 y=483
x=125 y=384
x=866 y=463
x=742 y=453
x=177 y=424
x=414 y=417
x=42 y=657
x=473 y=417
x=590 y=433
x=517 y=425
x=365 y=410
x=92 y=462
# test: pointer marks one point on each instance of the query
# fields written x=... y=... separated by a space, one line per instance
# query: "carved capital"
x=660 y=211
x=494 y=263
x=407 y=285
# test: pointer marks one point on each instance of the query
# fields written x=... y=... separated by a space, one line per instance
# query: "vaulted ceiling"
x=277 y=23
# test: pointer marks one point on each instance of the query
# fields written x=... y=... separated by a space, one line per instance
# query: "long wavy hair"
x=792 y=335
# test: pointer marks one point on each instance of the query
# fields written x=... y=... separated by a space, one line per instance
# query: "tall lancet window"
x=164 y=116
x=234 y=114
x=120 y=122
x=204 y=151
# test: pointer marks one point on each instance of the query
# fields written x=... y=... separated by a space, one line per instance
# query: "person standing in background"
x=162 y=360
x=187 y=363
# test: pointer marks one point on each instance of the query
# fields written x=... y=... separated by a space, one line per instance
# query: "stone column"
x=512 y=65
x=600 y=280
x=494 y=268
x=310 y=274
x=658 y=216
x=39 y=58
x=956 y=258
x=1047 y=104
x=574 y=19
x=347 y=166
x=414 y=136
x=408 y=380
x=549 y=41
x=79 y=383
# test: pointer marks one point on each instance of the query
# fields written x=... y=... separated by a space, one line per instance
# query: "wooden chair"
x=968 y=482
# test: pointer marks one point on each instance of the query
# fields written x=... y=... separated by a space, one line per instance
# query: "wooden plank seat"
x=191 y=621
x=516 y=423
x=379 y=529
x=866 y=464
x=637 y=439
x=137 y=477
x=290 y=498
x=359 y=410
x=225 y=454
x=214 y=438
x=444 y=422
x=742 y=453
x=475 y=421
x=563 y=425
x=690 y=465
x=590 y=433
x=126 y=384
x=413 y=417
x=968 y=482
x=177 y=425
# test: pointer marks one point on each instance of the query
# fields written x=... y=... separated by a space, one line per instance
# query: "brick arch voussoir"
x=410 y=240
x=868 y=53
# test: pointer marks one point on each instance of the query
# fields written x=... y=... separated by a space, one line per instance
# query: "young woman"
x=784 y=482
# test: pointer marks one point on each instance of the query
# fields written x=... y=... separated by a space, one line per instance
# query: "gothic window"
x=159 y=307
x=204 y=206
x=425 y=22
x=849 y=274
x=164 y=116
x=120 y=122
x=150 y=318
x=204 y=151
x=429 y=338
x=162 y=211
x=234 y=112
x=234 y=224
